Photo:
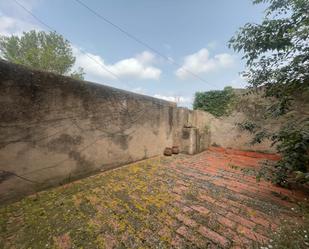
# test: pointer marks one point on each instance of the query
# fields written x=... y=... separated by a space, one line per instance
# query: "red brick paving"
x=246 y=210
x=201 y=201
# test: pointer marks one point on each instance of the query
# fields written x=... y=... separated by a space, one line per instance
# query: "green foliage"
x=260 y=136
x=277 y=50
x=292 y=142
x=78 y=74
x=218 y=103
x=293 y=145
x=277 y=57
x=248 y=126
x=40 y=50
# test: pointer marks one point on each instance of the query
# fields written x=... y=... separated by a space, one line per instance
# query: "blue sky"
x=193 y=34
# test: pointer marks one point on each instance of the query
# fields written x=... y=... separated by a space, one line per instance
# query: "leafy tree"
x=277 y=50
x=40 y=50
x=277 y=58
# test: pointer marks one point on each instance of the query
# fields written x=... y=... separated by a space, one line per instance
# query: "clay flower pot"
x=168 y=151
x=175 y=150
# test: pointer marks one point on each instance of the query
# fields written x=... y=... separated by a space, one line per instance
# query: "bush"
x=277 y=59
x=293 y=145
x=292 y=142
x=216 y=102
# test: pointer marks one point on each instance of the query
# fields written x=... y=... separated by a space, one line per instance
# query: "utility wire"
x=99 y=137
x=52 y=29
x=121 y=30
x=133 y=37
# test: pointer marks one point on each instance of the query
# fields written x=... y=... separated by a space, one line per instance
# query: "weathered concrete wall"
x=54 y=129
x=225 y=133
x=197 y=130
x=191 y=133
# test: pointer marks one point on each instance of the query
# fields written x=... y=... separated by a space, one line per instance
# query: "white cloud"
x=14 y=19
x=138 y=67
x=224 y=60
x=138 y=90
x=177 y=99
x=146 y=57
x=239 y=82
x=13 y=26
x=200 y=63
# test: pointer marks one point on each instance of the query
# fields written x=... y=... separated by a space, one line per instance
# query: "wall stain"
x=64 y=143
x=5 y=175
x=121 y=140
x=82 y=164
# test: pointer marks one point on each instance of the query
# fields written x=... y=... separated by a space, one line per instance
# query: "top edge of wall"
x=9 y=66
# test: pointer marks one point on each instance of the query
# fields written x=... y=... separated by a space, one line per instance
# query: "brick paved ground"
x=203 y=201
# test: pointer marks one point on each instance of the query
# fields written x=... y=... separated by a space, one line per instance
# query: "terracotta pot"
x=168 y=151
x=175 y=150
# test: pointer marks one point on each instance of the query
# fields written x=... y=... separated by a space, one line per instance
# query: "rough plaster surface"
x=225 y=133
x=54 y=129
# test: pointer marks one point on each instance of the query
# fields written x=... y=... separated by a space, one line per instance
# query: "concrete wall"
x=191 y=132
x=224 y=132
x=197 y=130
x=55 y=129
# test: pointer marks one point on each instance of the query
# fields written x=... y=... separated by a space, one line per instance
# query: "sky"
x=191 y=39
